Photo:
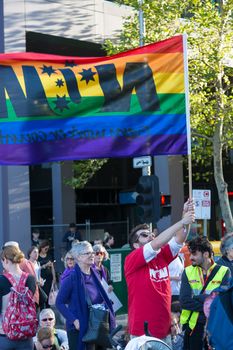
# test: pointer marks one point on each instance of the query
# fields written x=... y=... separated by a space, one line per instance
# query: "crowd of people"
x=83 y=274
x=167 y=286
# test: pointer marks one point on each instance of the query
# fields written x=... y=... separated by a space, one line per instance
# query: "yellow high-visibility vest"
x=194 y=274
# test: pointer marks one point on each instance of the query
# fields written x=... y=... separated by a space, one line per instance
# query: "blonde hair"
x=68 y=255
x=12 y=253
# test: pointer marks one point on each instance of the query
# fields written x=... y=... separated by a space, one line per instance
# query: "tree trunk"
x=219 y=179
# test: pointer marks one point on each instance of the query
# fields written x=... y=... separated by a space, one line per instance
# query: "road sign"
x=202 y=200
x=141 y=162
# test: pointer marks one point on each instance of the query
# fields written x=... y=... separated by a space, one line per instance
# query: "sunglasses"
x=143 y=234
x=47 y=346
x=70 y=259
x=47 y=319
x=99 y=253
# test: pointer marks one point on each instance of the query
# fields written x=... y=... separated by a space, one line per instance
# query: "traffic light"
x=148 y=199
x=165 y=203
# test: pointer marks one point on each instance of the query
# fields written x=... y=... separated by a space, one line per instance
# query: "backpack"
x=220 y=321
x=20 y=320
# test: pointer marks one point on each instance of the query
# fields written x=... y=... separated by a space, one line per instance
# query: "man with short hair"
x=147 y=276
x=71 y=235
x=203 y=273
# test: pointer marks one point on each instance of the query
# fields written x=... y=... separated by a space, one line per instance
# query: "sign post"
x=202 y=200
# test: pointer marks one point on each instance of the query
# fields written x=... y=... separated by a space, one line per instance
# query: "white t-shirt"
x=176 y=268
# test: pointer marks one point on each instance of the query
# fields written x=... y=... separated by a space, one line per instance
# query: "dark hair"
x=133 y=234
x=200 y=244
x=30 y=250
x=107 y=239
x=44 y=244
x=176 y=307
x=72 y=224
x=35 y=230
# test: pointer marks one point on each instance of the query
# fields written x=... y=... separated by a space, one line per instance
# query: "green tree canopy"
x=209 y=27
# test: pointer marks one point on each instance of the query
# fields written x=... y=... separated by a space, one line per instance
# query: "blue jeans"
x=7 y=344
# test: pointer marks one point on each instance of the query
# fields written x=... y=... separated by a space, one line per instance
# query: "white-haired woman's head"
x=83 y=254
x=47 y=318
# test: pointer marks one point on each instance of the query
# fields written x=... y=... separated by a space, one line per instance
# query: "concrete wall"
x=89 y=20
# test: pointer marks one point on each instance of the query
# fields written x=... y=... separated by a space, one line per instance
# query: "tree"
x=209 y=26
x=84 y=170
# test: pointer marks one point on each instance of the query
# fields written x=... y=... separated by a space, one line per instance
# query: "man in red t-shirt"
x=147 y=276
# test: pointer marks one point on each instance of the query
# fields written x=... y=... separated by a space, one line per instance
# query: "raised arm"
x=176 y=229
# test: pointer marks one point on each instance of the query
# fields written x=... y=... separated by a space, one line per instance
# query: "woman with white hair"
x=47 y=319
x=72 y=302
x=101 y=254
x=226 y=248
x=69 y=266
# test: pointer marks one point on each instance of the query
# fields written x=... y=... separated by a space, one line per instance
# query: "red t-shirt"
x=149 y=292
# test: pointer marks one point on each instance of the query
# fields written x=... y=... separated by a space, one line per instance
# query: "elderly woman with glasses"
x=101 y=254
x=226 y=248
x=47 y=319
x=72 y=301
x=69 y=266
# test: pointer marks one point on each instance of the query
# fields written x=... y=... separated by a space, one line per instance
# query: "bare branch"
x=194 y=133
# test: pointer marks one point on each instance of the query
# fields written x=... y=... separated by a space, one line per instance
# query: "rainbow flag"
x=56 y=108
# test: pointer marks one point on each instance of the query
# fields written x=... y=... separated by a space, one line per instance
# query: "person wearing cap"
x=71 y=235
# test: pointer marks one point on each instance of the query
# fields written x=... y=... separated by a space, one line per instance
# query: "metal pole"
x=141 y=23
x=205 y=228
x=145 y=170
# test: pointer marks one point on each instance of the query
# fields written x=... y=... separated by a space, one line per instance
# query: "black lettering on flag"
x=136 y=76
x=33 y=104
x=72 y=86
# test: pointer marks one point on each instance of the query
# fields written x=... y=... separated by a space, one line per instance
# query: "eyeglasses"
x=145 y=235
x=47 y=319
x=99 y=253
x=70 y=259
x=88 y=253
x=47 y=346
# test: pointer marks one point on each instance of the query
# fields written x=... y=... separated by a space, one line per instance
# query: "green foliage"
x=84 y=170
x=210 y=31
x=209 y=28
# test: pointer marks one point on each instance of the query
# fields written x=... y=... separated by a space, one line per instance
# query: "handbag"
x=98 y=326
x=53 y=295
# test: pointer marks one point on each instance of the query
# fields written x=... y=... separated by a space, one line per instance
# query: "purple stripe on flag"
x=107 y=147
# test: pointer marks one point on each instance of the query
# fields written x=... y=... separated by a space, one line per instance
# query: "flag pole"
x=186 y=82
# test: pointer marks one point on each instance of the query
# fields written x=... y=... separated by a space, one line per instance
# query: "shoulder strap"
x=22 y=281
x=10 y=279
x=210 y=277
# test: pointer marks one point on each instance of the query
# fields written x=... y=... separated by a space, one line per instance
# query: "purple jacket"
x=65 y=274
x=71 y=302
